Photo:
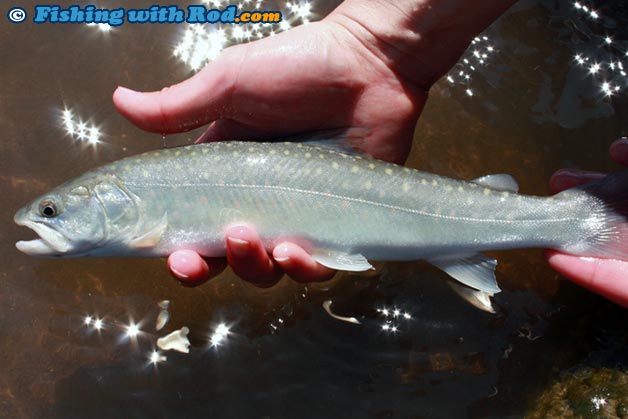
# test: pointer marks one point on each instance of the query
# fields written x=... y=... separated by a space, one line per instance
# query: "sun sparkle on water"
x=201 y=44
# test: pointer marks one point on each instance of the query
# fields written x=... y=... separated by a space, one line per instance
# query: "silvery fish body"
x=344 y=209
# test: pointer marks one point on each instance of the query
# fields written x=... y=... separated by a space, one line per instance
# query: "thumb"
x=190 y=104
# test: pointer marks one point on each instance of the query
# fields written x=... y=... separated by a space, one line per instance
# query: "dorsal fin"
x=342 y=140
x=500 y=182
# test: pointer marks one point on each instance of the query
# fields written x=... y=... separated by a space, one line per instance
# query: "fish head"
x=76 y=218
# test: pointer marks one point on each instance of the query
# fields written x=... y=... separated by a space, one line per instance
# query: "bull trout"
x=344 y=209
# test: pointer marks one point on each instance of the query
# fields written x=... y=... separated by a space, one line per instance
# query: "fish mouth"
x=50 y=242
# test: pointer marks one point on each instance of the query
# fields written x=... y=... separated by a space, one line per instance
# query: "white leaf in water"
x=162 y=319
x=327 y=306
x=163 y=316
x=177 y=340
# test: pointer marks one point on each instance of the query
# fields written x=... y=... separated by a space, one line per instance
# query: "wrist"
x=418 y=39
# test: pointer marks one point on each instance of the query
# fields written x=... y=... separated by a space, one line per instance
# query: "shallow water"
x=533 y=110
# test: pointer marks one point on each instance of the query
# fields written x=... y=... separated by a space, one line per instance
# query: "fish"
x=343 y=208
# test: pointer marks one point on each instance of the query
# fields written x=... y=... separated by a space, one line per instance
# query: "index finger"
x=606 y=277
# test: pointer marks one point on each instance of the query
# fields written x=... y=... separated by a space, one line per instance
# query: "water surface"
x=531 y=109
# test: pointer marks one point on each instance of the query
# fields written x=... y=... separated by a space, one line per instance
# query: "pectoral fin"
x=474 y=270
x=500 y=182
x=341 y=261
x=151 y=237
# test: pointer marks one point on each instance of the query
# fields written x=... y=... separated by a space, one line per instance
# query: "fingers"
x=190 y=104
x=606 y=277
x=299 y=265
x=619 y=151
x=248 y=257
x=191 y=269
x=569 y=178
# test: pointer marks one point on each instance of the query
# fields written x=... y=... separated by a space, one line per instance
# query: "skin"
x=366 y=69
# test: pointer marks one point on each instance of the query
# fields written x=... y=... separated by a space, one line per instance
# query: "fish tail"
x=605 y=229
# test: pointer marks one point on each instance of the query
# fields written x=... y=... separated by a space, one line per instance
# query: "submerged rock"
x=587 y=393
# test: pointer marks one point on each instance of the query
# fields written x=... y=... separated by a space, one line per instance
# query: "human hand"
x=606 y=277
x=365 y=68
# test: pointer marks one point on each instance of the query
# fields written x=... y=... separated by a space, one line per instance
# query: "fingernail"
x=280 y=254
x=239 y=247
x=181 y=259
x=126 y=90
x=179 y=274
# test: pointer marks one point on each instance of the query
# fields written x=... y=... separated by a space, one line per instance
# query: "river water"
x=529 y=109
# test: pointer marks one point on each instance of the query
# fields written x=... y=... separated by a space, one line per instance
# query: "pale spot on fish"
x=145 y=173
x=423 y=182
x=448 y=188
x=272 y=152
x=322 y=156
x=487 y=191
x=193 y=154
x=177 y=153
x=388 y=171
x=368 y=184
x=405 y=187
x=216 y=158
x=286 y=152
x=371 y=166
x=319 y=171
x=355 y=169
x=406 y=169
x=434 y=182
x=505 y=194
x=236 y=154
x=205 y=150
x=335 y=165
x=308 y=155
x=251 y=149
x=460 y=189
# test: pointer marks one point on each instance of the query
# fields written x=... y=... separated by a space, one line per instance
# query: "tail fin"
x=607 y=227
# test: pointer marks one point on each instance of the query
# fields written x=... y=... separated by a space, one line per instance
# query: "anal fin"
x=341 y=261
x=476 y=298
x=474 y=270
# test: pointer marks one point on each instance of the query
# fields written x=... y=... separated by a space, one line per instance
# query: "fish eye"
x=47 y=209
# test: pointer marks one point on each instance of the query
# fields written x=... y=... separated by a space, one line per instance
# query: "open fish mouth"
x=49 y=243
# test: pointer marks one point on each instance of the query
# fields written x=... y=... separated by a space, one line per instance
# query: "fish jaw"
x=49 y=244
